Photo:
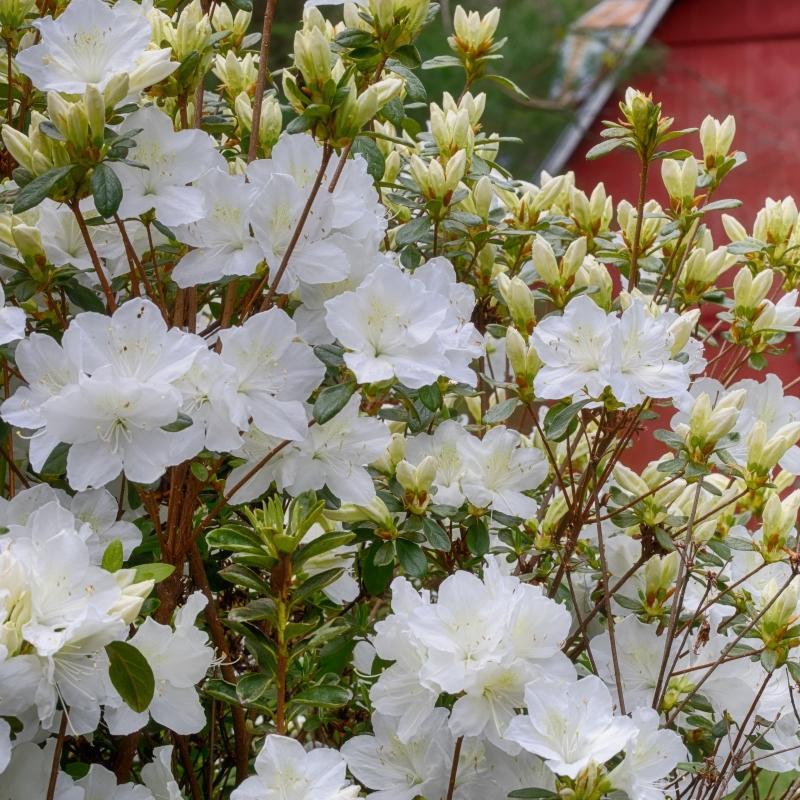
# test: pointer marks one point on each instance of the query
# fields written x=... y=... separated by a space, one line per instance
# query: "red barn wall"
x=720 y=57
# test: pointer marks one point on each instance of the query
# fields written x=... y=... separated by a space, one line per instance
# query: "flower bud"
x=680 y=180
x=19 y=145
x=681 y=330
x=779 y=518
x=95 y=106
x=474 y=34
x=375 y=511
x=764 y=451
x=544 y=261
x=482 y=196
x=735 y=230
x=523 y=358
x=312 y=55
x=716 y=138
x=749 y=291
x=630 y=481
x=594 y=275
x=13 y=13
x=28 y=240
x=573 y=258
x=519 y=300
x=129 y=603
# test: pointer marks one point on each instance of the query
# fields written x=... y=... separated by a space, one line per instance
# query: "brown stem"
x=62 y=732
x=10 y=81
x=607 y=602
x=240 y=734
x=188 y=768
x=111 y=304
x=633 y=275
x=135 y=263
x=261 y=78
x=683 y=571
x=451 y=785
x=126 y=752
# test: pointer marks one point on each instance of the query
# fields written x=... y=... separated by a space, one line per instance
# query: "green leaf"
x=604 y=148
x=436 y=535
x=300 y=124
x=235 y=538
x=221 y=690
x=84 y=297
x=508 y=84
x=501 y=411
x=33 y=193
x=560 y=420
x=257 y=610
x=331 y=400
x=155 y=572
x=240 y=575
x=411 y=558
x=794 y=670
x=384 y=555
x=252 y=686
x=130 y=675
x=324 y=696
x=322 y=544
x=430 y=396
x=440 y=62
x=376 y=576
x=533 y=794
x=106 y=190
x=353 y=37
x=720 y=205
x=112 y=557
x=412 y=231
x=415 y=89
x=370 y=152
x=315 y=583
x=478 y=538
x=408 y=55
x=200 y=471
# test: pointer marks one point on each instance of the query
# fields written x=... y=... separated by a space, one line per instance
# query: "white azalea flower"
x=12 y=321
x=336 y=454
x=158 y=777
x=179 y=659
x=285 y=769
x=585 y=351
x=44 y=365
x=571 y=725
x=650 y=756
x=275 y=374
x=573 y=348
x=498 y=470
x=402 y=770
x=28 y=775
x=90 y=43
x=221 y=239
x=393 y=326
x=5 y=745
x=58 y=612
x=100 y=783
x=173 y=159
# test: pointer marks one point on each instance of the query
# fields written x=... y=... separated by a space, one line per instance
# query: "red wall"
x=720 y=57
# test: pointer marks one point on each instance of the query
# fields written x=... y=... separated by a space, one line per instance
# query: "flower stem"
x=62 y=731
x=261 y=78
x=451 y=786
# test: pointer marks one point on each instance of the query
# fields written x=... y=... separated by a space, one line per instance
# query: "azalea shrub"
x=322 y=435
